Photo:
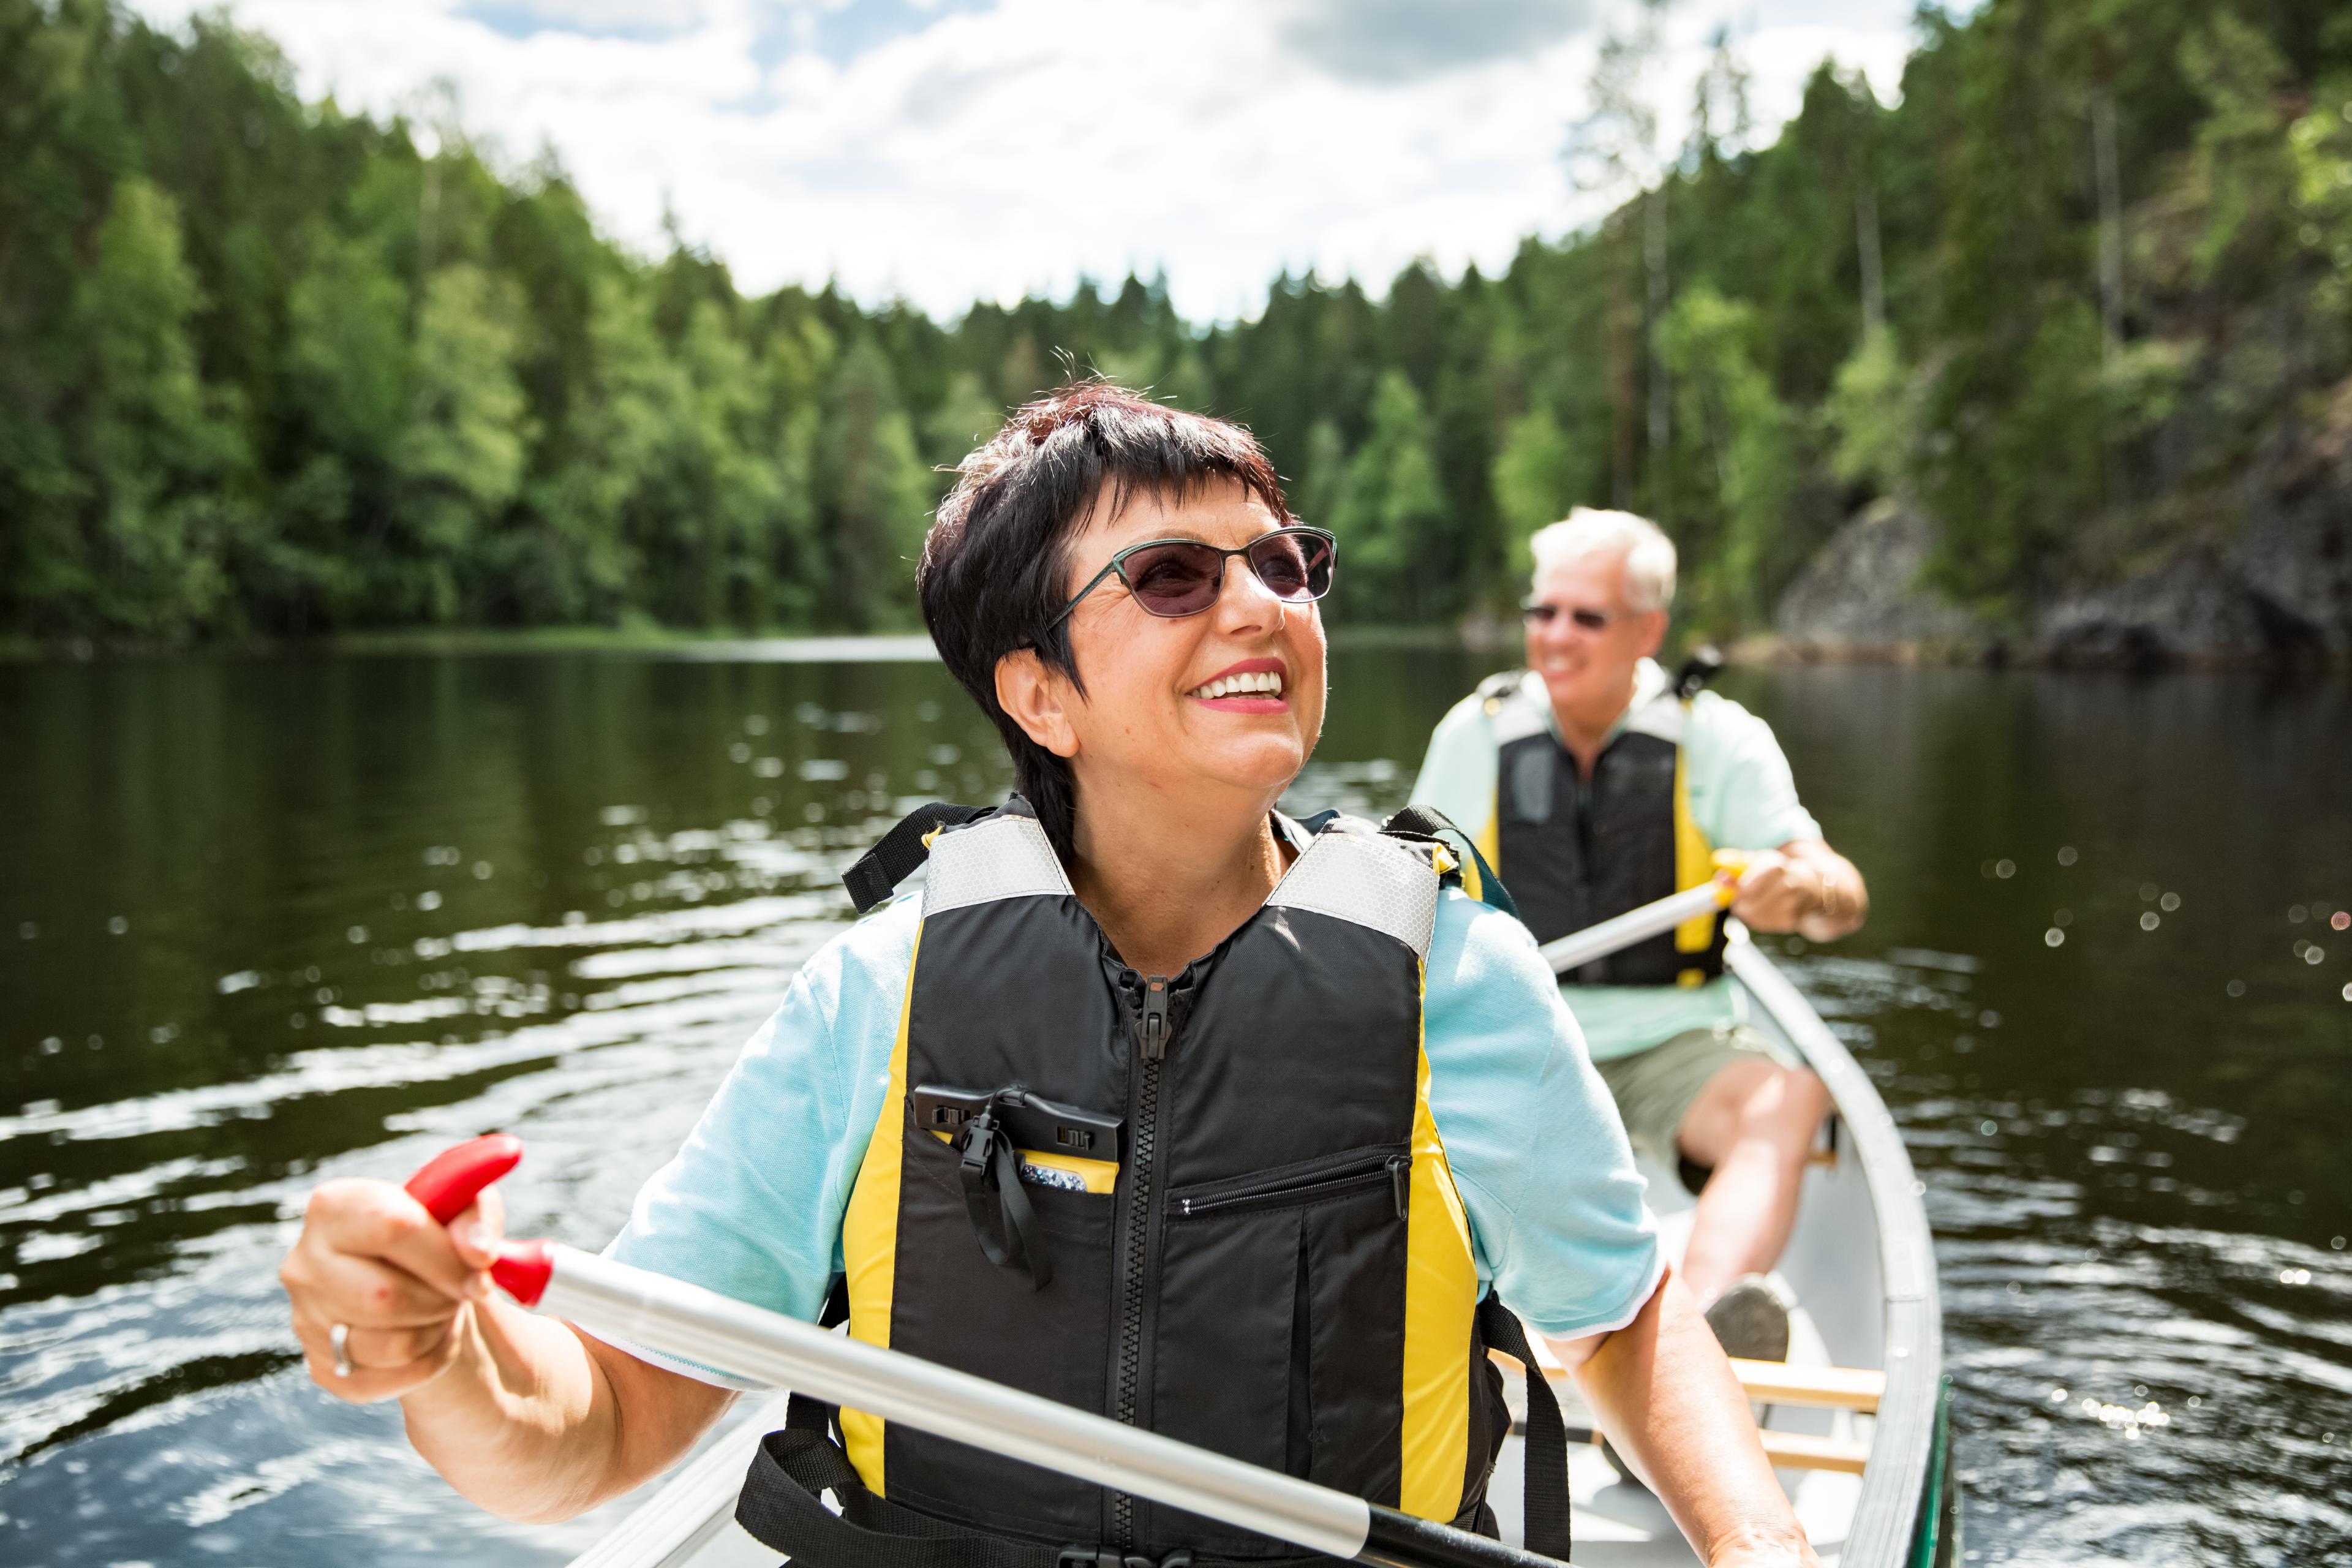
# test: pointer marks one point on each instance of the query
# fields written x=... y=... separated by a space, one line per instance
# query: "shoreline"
x=776 y=646
x=1933 y=654
x=1479 y=636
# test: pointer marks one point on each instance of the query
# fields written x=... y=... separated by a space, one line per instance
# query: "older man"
x=1594 y=785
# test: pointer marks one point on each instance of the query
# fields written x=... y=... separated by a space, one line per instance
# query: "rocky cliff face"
x=2276 y=587
x=1861 y=596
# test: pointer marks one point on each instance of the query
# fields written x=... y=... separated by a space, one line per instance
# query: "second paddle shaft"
x=1580 y=948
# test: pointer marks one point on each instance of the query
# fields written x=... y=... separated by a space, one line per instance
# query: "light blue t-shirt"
x=1742 y=795
x=751 y=1205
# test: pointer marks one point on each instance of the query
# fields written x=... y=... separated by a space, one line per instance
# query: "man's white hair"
x=1648 y=553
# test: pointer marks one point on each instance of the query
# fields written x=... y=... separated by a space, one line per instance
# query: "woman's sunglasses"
x=1172 y=577
x=1542 y=614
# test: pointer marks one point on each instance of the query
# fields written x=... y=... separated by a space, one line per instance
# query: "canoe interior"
x=1833 y=1267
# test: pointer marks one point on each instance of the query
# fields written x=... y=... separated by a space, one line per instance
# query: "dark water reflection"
x=266 y=922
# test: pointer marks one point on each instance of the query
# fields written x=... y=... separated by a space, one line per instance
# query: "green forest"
x=272 y=370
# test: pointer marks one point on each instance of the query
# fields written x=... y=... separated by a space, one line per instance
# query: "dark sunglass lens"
x=1280 y=565
x=1293 y=565
x=1174 y=579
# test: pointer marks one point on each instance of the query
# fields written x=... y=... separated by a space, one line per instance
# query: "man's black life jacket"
x=1575 y=851
x=1214 y=1205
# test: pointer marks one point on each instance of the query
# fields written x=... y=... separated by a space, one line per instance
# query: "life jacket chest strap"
x=783 y=1508
x=1104 y=1557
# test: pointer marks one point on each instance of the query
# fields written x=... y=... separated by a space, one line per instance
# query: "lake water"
x=263 y=922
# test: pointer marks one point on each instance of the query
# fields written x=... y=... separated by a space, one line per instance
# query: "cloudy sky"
x=948 y=150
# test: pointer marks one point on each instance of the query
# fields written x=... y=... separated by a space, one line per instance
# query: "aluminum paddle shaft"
x=659 y=1314
x=655 y=1312
x=1580 y=948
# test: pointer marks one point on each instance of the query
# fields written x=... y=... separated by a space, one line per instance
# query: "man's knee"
x=1785 y=1108
x=1753 y=1100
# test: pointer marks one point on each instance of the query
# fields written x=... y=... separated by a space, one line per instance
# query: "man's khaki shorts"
x=1655 y=1089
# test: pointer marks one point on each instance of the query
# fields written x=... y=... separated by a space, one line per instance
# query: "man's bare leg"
x=1754 y=1123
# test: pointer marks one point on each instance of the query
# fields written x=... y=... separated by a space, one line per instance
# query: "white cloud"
x=949 y=150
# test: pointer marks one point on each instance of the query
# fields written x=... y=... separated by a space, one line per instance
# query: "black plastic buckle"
x=979 y=1135
x=1108 y=1557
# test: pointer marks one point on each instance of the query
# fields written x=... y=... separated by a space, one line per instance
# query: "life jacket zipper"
x=1155 y=1022
x=1154 y=1032
x=1309 y=1181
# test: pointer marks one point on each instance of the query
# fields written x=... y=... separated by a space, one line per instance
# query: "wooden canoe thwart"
x=1855 y=1388
x=1826 y=1387
x=1803 y=1451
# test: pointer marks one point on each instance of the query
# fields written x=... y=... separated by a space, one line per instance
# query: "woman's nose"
x=1243 y=601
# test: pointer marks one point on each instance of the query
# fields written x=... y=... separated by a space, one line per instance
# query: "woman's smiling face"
x=1228 y=700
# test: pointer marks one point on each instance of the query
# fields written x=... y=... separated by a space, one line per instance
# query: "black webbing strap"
x=803 y=1414
x=783 y=1508
x=1478 y=878
x=1545 y=1488
x=880 y=870
x=991 y=1165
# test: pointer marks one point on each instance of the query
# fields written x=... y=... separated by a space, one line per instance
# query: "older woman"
x=1154 y=1101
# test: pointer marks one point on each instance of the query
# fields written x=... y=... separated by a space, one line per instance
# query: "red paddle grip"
x=523 y=1269
x=453 y=1178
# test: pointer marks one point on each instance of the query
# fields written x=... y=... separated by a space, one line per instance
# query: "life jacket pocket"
x=993 y=1323
x=1262 y=1345
x=1307 y=1182
x=1082 y=1213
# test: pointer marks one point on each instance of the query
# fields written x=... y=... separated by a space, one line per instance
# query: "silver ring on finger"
x=339 y=1340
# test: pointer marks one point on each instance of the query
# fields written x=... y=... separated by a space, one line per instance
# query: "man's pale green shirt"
x=1742 y=796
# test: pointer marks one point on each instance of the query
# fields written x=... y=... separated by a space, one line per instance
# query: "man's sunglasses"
x=1542 y=614
x=1172 y=577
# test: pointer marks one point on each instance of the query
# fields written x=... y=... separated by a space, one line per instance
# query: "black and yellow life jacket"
x=1574 y=851
x=1214 y=1205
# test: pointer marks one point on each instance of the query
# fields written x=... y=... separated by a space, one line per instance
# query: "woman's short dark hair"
x=996 y=566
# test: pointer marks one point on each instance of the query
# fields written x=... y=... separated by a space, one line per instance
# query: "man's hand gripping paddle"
x=1603 y=937
x=675 y=1318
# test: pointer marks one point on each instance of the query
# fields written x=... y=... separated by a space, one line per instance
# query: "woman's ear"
x=1038 y=697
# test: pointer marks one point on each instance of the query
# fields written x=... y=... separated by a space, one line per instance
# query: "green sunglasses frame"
x=1117 y=563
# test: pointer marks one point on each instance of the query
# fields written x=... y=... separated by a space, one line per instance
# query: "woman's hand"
x=401 y=1287
x=1774 y=1551
x=519 y=1412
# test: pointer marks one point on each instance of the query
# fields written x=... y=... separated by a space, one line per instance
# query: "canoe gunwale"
x=1888 y=1513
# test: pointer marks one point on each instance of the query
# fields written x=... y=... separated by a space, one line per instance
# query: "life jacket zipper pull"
x=1401 y=1178
x=1155 y=1019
